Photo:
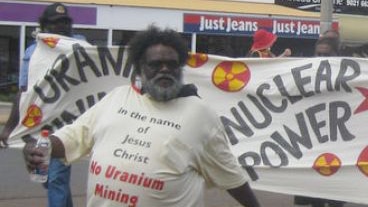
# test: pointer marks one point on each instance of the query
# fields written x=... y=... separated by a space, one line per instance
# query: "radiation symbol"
x=327 y=164
x=51 y=41
x=362 y=162
x=33 y=116
x=231 y=76
x=196 y=60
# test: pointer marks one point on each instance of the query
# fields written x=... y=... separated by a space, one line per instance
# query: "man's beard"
x=160 y=93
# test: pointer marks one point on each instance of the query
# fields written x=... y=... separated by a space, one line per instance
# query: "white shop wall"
x=132 y=18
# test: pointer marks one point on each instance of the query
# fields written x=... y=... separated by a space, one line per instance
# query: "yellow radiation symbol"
x=327 y=164
x=231 y=76
x=362 y=162
x=33 y=116
x=196 y=60
x=51 y=41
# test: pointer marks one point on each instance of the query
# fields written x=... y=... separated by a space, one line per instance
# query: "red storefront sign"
x=244 y=25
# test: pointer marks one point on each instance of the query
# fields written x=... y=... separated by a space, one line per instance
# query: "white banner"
x=296 y=125
x=66 y=77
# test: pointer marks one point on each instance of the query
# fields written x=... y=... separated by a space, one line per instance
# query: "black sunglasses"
x=159 y=64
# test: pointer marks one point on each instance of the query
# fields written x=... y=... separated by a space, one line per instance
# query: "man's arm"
x=58 y=150
x=244 y=195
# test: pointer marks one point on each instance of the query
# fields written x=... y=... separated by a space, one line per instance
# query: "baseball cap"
x=54 y=12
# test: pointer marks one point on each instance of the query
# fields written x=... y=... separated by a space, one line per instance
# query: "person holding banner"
x=263 y=41
x=54 y=20
x=155 y=143
x=326 y=46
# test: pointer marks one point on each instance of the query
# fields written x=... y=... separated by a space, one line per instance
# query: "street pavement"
x=16 y=190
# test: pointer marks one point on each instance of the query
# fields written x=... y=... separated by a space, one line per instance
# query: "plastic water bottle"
x=40 y=174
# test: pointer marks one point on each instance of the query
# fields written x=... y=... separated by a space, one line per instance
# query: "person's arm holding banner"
x=23 y=83
x=11 y=122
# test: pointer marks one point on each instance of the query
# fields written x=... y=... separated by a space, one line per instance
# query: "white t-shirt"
x=149 y=153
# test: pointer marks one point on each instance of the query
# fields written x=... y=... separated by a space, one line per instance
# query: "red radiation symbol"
x=327 y=164
x=231 y=76
x=362 y=162
x=196 y=60
x=33 y=116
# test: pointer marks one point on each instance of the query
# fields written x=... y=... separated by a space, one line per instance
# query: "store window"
x=9 y=58
x=238 y=46
x=122 y=37
x=31 y=33
x=93 y=36
x=188 y=39
x=230 y=46
x=298 y=47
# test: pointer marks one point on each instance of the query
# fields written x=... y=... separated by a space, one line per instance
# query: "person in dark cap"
x=55 y=19
x=263 y=41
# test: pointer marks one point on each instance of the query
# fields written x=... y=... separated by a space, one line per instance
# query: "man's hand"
x=286 y=53
x=11 y=123
x=4 y=139
x=33 y=156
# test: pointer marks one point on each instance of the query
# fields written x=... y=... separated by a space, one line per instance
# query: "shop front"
x=231 y=35
x=215 y=27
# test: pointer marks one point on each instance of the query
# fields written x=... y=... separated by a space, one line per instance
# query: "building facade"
x=214 y=27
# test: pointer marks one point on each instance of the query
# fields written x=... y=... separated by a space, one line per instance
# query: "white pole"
x=326 y=15
x=194 y=43
x=109 y=37
x=22 y=44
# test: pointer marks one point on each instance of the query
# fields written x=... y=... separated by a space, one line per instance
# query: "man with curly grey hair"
x=154 y=145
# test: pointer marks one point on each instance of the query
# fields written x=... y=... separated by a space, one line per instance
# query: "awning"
x=353 y=29
x=204 y=5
